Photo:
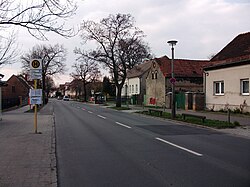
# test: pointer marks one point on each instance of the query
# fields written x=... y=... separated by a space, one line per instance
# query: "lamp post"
x=172 y=43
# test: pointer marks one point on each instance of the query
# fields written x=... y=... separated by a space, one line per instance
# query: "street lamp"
x=172 y=43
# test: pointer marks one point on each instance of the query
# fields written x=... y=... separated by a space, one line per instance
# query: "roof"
x=22 y=80
x=236 y=53
x=139 y=70
x=239 y=46
x=228 y=63
x=182 y=67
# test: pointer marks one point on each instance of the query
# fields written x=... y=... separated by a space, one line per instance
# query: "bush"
x=236 y=111
x=236 y=123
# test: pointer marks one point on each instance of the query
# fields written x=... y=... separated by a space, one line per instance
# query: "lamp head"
x=172 y=42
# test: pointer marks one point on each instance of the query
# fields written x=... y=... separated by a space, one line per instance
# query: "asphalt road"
x=98 y=146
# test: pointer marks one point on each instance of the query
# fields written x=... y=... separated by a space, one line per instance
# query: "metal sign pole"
x=35 y=113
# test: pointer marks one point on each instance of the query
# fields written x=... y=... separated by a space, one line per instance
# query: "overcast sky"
x=202 y=27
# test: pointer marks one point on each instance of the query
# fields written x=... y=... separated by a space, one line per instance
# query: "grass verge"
x=208 y=122
x=119 y=108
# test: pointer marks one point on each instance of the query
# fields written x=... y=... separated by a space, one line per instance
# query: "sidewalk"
x=27 y=159
x=243 y=131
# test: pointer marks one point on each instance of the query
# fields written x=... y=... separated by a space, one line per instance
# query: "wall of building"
x=189 y=84
x=155 y=87
x=232 y=96
x=14 y=89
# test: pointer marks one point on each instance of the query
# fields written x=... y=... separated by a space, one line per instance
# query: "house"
x=134 y=87
x=227 y=77
x=16 y=92
x=188 y=75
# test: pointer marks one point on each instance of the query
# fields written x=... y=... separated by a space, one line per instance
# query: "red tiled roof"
x=239 y=46
x=182 y=68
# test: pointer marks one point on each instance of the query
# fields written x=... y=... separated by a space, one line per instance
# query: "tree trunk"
x=119 y=97
x=85 y=92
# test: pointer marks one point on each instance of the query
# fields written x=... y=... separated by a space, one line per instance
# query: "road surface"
x=97 y=146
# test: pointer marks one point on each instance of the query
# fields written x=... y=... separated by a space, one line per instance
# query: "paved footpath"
x=27 y=159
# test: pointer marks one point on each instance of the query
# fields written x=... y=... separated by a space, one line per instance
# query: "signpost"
x=35 y=94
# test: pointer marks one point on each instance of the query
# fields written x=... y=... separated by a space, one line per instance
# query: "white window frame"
x=133 y=89
x=242 y=86
x=136 y=88
x=221 y=91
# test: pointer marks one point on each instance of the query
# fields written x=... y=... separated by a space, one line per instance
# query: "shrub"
x=236 y=123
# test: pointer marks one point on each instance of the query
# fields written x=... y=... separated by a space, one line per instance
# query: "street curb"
x=53 y=164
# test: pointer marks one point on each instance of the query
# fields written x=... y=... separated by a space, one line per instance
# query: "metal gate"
x=180 y=100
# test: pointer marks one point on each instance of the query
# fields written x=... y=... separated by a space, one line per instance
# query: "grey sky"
x=202 y=27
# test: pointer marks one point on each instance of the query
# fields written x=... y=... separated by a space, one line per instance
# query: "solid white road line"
x=183 y=148
x=90 y=112
x=123 y=125
x=101 y=116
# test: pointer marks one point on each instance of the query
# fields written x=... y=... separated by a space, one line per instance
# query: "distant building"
x=188 y=78
x=134 y=87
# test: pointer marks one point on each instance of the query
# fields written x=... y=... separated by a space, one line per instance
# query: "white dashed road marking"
x=123 y=125
x=101 y=116
x=180 y=147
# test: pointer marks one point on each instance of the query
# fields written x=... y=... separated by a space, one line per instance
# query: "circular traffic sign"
x=35 y=64
x=172 y=80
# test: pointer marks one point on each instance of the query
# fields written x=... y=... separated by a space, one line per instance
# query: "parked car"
x=66 y=98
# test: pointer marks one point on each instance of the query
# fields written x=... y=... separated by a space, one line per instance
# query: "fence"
x=12 y=102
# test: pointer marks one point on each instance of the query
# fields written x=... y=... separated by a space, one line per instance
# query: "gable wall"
x=20 y=89
x=232 y=96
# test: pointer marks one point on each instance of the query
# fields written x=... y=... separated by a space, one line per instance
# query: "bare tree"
x=8 y=49
x=119 y=46
x=53 y=60
x=49 y=85
x=38 y=17
x=86 y=70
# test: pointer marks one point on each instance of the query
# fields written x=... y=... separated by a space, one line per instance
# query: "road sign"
x=36 y=96
x=172 y=80
x=36 y=92
x=35 y=100
x=35 y=74
x=36 y=64
x=35 y=69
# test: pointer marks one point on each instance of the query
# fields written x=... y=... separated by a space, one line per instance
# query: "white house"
x=227 y=86
x=227 y=79
x=134 y=87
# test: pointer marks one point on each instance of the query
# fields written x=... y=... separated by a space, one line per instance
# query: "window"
x=129 y=88
x=244 y=86
x=219 y=88
x=13 y=89
x=136 y=88
x=133 y=89
x=156 y=74
x=153 y=75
